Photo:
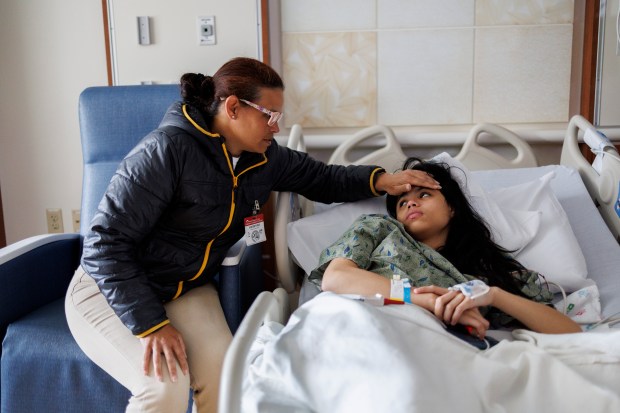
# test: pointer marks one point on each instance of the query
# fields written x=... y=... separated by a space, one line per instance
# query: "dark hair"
x=469 y=246
x=241 y=76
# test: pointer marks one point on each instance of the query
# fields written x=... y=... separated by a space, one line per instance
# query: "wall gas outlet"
x=54 y=220
x=75 y=219
x=206 y=30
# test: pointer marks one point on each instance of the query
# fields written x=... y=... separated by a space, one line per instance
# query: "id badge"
x=254 y=229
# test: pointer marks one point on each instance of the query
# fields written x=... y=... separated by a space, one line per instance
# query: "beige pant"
x=197 y=315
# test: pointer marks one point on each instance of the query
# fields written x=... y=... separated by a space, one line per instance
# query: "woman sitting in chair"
x=437 y=241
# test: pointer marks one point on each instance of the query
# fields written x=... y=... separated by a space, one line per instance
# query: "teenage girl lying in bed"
x=436 y=240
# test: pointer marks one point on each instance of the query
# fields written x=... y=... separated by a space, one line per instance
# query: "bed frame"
x=473 y=154
x=390 y=156
x=604 y=188
x=274 y=306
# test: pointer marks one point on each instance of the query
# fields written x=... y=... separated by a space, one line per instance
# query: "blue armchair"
x=42 y=368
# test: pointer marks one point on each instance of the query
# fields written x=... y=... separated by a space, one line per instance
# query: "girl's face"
x=251 y=129
x=425 y=215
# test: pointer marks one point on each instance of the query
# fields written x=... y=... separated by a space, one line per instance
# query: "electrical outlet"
x=54 y=220
x=75 y=219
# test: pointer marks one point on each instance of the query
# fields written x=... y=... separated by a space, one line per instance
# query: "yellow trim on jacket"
x=153 y=329
x=232 y=204
x=372 y=181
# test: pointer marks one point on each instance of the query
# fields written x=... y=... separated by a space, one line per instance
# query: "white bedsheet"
x=340 y=355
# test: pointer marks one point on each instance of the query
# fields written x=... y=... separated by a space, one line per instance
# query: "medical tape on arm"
x=471 y=289
x=400 y=289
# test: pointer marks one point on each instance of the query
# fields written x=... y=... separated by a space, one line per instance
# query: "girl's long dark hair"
x=469 y=246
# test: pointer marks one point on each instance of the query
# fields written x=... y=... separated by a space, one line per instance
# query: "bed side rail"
x=268 y=306
x=289 y=207
x=604 y=187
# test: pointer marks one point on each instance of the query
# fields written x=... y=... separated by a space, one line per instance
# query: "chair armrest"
x=35 y=272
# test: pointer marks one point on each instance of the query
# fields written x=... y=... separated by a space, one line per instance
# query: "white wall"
x=51 y=50
x=609 y=98
x=174 y=47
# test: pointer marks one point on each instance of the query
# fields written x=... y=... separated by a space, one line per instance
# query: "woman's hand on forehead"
x=404 y=181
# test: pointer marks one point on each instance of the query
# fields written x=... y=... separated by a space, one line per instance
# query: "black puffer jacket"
x=174 y=208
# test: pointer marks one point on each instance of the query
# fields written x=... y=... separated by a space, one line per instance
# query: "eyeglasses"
x=274 y=117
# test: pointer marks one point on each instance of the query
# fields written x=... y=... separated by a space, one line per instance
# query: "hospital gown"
x=380 y=244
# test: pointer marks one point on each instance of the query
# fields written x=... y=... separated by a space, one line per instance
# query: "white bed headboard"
x=390 y=157
x=473 y=155
x=476 y=157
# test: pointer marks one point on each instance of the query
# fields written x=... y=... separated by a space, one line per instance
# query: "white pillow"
x=554 y=252
x=309 y=236
x=539 y=229
x=510 y=228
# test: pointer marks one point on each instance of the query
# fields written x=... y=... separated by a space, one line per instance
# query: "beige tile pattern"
x=425 y=76
x=522 y=74
x=328 y=15
x=330 y=79
x=403 y=14
x=502 y=12
x=353 y=63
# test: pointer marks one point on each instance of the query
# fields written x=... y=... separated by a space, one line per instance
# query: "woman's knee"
x=161 y=396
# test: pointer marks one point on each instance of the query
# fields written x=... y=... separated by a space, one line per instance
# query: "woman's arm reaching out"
x=538 y=317
x=343 y=276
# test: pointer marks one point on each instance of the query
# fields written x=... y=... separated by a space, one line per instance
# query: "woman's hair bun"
x=207 y=88
x=196 y=86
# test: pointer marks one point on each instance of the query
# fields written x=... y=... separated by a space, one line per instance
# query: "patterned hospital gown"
x=380 y=244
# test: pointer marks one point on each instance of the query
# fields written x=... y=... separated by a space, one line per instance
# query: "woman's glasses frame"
x=274 y=117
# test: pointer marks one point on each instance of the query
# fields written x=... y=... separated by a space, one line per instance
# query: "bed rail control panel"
x=602 y=178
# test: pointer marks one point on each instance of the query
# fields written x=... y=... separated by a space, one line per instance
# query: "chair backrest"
x=113 y=119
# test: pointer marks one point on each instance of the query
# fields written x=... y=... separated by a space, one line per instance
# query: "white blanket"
x=340 y=355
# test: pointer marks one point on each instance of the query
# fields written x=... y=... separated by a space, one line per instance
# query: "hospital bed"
x=576 y=240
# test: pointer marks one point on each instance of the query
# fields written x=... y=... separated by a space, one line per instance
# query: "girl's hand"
x=403 y=181
x=164 y=345
x=477 y=323
x=453 y=307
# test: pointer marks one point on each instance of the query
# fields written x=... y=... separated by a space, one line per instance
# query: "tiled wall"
x=353 y=63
